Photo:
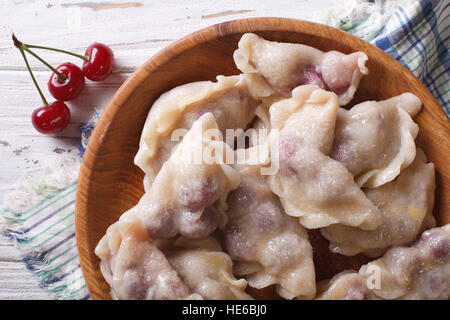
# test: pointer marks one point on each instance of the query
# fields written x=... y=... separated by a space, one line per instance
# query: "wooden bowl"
x=110 y=183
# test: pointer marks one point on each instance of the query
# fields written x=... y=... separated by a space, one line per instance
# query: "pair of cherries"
x=66 y=82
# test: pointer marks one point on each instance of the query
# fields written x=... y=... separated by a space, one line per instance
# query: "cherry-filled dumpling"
x=188 y=195
x=277 y=67
x=206 y=269
x=406 y=205
x=229 y=100
x=419 y=272
x=267 y=246
x=311 y=185
x=375 y=140
x=134 y=266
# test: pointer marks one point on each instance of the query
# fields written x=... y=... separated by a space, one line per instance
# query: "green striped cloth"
x=45 y=234
x=39 y=216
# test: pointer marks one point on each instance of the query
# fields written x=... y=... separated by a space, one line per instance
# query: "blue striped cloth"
x=416 y=34
x=421 y=43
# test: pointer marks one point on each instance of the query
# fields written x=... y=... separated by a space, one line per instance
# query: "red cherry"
x=69 y=88
x=52 y=118
x=100 y=64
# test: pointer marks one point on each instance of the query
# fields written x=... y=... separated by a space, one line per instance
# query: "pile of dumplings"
x=211 y=230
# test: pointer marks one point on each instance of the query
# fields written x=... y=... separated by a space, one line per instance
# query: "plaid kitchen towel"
x=416 y=33
x=39 y=216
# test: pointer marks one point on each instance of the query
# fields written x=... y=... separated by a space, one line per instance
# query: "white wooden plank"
x=135 y=33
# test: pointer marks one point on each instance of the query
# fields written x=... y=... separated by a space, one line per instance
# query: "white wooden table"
x=134 y=31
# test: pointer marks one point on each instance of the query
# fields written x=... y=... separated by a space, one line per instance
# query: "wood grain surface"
x=109 y=182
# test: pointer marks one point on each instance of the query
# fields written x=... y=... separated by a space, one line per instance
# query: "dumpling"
x=375 y=140
x=228 y=99
x=139 y=268
x=267 y=246
x=406 y=205
x=134 y=266
x=417 y=273
x=407 y=101
x=277 y=67
x=206 y=270
x=311 y=185
x=188 y=194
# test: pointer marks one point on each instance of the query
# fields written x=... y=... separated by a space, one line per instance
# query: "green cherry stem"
x=61 y=77
x=34 y=79
x=21 y=46
x=58 y=50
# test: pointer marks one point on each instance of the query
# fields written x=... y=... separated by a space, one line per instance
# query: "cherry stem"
x=34 y=79
x=59 y=50
x=61 y=76
x=21 y=46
